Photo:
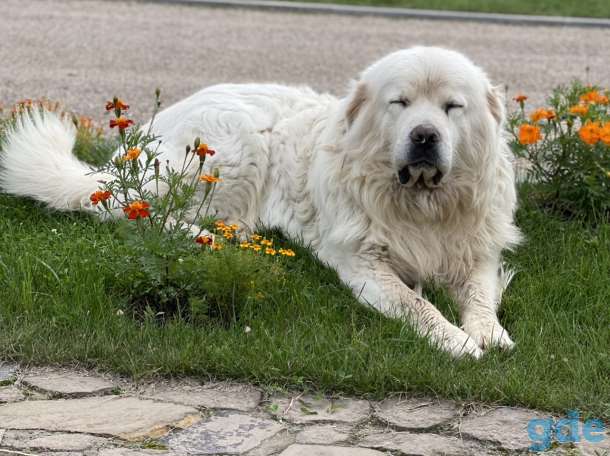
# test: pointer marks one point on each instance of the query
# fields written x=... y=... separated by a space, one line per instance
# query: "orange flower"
x=121 y=122
x=529 y=134
x=520 y=98
x=137 y=209
x=540 y=114
x=132 y=154
x=270 y=251
x=579 y=110
x=100 y=196
x=604 y=134
x=204 y=240
x=203 y=150
x=209 y=179
x=590 y=132
x=594 y=97
x=117 y=103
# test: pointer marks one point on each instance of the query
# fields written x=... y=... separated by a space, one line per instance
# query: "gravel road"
x=83 y=52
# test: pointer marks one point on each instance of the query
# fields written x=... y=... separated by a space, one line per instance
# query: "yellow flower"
x=579 y=110
x=244 y=245
x=542 y=114
x=132 y=154
x=228 y=235
x=529 y=134
x=256 y=237
x=590 y=132
x=209 y=179
x=267 y=242
x=234 y=227
x=219 y=223
x=270 y=251
x=287 y=252
x=255 y=247
x=217 y=246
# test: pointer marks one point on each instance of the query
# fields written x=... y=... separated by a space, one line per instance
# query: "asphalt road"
x=84 y=52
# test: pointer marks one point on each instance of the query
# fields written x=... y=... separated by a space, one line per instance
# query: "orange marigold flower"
x=520 y=98
x=267 y=242
x=540 y=114
x=132 y=154
x=529 y=134
x=270 y=251
x=255 y=247
x=256 y=237
x=209 y=179
x=590 y=132
x=216 y=246
x=604 y=134
x=137 y=209
x=579 y=110
x=594 y=97
x=204 y=240
x=117 y=103
x=203 y=150
x=121 y=122
x=244 y=245
x=100 y=196
x=287 y=252
x=228 y=235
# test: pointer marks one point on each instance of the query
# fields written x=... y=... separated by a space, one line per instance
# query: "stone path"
x=61 y=412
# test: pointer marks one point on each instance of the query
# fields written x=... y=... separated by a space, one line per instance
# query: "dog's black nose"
x=424 y=136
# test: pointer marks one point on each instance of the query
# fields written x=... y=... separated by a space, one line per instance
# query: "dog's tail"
x=37 y=161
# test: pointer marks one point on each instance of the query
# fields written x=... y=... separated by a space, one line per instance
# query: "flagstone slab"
x=423 y=444
x=71 y=384
x=8 y=372
x=232 y=433
x=212 y=396
x=11 y=394
x=309 y=409
x=415 y=413
x=504 y=426
x=39 y=440
x=328 y=450
x=323 y=434
x=128 y=418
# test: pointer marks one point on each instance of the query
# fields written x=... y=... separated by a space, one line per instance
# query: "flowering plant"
x=566 y=150
x=162 y=213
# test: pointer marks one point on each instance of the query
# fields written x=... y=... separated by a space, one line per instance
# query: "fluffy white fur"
x=325 y=170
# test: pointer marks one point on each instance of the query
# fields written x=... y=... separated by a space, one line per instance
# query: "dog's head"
x=431 y=110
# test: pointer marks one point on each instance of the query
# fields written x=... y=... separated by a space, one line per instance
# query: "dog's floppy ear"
x=356 y=100
x=495 y=101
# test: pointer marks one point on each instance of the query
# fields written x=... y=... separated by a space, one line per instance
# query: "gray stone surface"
x=320 y=450
x=415 y=413
x=77 y=61
x=133 y=452
x=7 y=372
x=309 y=409
x=213 y=396
x=419 y=444
x=232 y=433
x=323 y=434
x=67 y=383
x=125 y=417
x=10 y=394
x=504 y=426
x=37 y=440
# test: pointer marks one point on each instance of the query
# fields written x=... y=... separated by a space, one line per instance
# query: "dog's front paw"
x=460 y=344
x=489 y=333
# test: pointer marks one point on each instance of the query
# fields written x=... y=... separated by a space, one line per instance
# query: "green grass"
x=61 y=293
x=592 y=8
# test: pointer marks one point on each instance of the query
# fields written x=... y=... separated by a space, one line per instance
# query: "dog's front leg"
x=378 y=285
x=478 y=297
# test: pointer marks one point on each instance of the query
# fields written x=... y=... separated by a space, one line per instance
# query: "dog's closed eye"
x=452 y=105
x=404 y=102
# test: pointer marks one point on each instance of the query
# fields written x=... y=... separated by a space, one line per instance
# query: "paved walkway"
x=82 y=52
x=59 y=412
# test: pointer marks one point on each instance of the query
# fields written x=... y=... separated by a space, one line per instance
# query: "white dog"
x=408 y=178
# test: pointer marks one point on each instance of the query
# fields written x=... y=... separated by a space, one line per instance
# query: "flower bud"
x=197 y=142
x=188 y=149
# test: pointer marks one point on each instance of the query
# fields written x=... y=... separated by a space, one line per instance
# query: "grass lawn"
x=59 y=303
x=592 y=8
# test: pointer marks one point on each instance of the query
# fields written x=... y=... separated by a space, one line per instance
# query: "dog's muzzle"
x=422 y=167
